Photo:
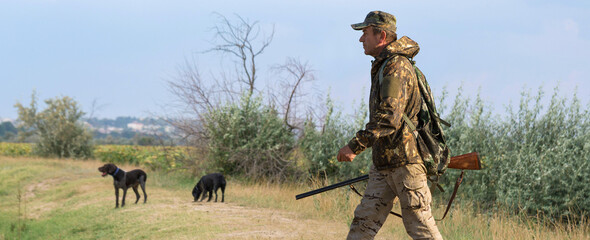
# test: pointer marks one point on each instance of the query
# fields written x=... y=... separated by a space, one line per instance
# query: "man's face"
x=371 y=42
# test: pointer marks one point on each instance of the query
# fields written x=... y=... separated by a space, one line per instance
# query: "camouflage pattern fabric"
x=377 y=19
x=393 y=142
x=408 y=183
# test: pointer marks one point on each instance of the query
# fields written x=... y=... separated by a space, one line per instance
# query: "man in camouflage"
x=397 y=170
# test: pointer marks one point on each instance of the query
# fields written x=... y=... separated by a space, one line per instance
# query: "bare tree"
x=252 y=141
x=238 y=39
x=198 y=95
x=95 y=107
x=298 y=73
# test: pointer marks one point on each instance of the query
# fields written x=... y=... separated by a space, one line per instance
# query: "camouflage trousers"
x=409 y=184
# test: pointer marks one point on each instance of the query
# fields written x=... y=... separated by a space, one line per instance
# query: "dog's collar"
x=116 y=171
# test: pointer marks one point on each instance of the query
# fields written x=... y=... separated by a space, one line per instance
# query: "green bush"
x=57 y=130
x=535 y=160
x=546 y=161
x=249 y=139
x=320 y=146
x=473 y=130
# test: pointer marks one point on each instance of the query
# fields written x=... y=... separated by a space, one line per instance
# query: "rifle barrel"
x=466 y=161
x=333 y=186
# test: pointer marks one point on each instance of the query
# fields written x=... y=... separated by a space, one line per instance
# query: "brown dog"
x=125 y=180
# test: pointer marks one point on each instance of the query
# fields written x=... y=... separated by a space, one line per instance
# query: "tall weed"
x=320 y=145
x=535 y=160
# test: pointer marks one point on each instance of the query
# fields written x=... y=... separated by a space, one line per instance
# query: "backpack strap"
x=381 y=69
x=405 y=116
x=423 y=90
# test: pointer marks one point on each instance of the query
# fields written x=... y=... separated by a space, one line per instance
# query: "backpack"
x=429 y=134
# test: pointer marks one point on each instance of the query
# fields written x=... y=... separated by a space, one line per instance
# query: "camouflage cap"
x=377 y=19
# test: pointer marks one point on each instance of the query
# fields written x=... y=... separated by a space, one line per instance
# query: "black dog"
x=208 y=184
x=125 y=180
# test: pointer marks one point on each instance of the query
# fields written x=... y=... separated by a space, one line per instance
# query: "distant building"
x=135 y=126
x=107 y=130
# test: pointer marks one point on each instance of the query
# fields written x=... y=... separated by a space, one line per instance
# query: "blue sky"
x=119 y=54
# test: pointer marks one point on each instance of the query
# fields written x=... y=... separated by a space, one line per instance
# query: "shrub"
x=535 y=160
x=250 y=139
x=320 y=146
x=57 y=130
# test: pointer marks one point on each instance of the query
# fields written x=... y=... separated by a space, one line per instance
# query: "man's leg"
x=375 y=205
x=415 y=198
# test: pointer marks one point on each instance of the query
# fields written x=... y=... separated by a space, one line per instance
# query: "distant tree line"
x=128 y=136
x=8 y=131
x=121 y=122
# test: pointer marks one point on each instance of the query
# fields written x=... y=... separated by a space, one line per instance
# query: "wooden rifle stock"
x=469 y=161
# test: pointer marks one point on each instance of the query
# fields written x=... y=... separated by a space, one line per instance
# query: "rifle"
x=469 y=161
x=333 y=186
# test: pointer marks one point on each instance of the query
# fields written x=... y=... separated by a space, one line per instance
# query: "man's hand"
x=345 y=154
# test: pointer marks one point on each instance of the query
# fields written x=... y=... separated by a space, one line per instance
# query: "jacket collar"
x=403 y=46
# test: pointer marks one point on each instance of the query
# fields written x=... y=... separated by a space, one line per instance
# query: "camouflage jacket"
x=392 y=141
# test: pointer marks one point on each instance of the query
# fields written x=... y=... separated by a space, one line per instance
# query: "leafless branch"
x=298 y=73
x=237 y=39
x=95 y=108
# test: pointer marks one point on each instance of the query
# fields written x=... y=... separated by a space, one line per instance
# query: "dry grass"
x=69 y=200
x=463 y=222
x=66 y=199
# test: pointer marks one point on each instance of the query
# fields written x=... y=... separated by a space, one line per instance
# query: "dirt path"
x=256 y=223
x=242 y=222
x=172 y=210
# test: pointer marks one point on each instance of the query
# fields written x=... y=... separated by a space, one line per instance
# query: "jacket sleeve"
x=387 y=118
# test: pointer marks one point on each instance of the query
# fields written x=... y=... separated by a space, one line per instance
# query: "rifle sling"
x=457 y=183
x=357 y=192
x=459 y=180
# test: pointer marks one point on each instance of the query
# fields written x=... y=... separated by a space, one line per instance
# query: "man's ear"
x=383 y=37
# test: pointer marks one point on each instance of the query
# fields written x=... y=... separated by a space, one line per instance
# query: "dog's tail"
x=144 y=175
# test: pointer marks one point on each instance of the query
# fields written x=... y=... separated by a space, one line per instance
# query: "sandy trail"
x=235 y=220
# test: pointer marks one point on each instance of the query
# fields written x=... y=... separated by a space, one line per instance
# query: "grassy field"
x=66 y=199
